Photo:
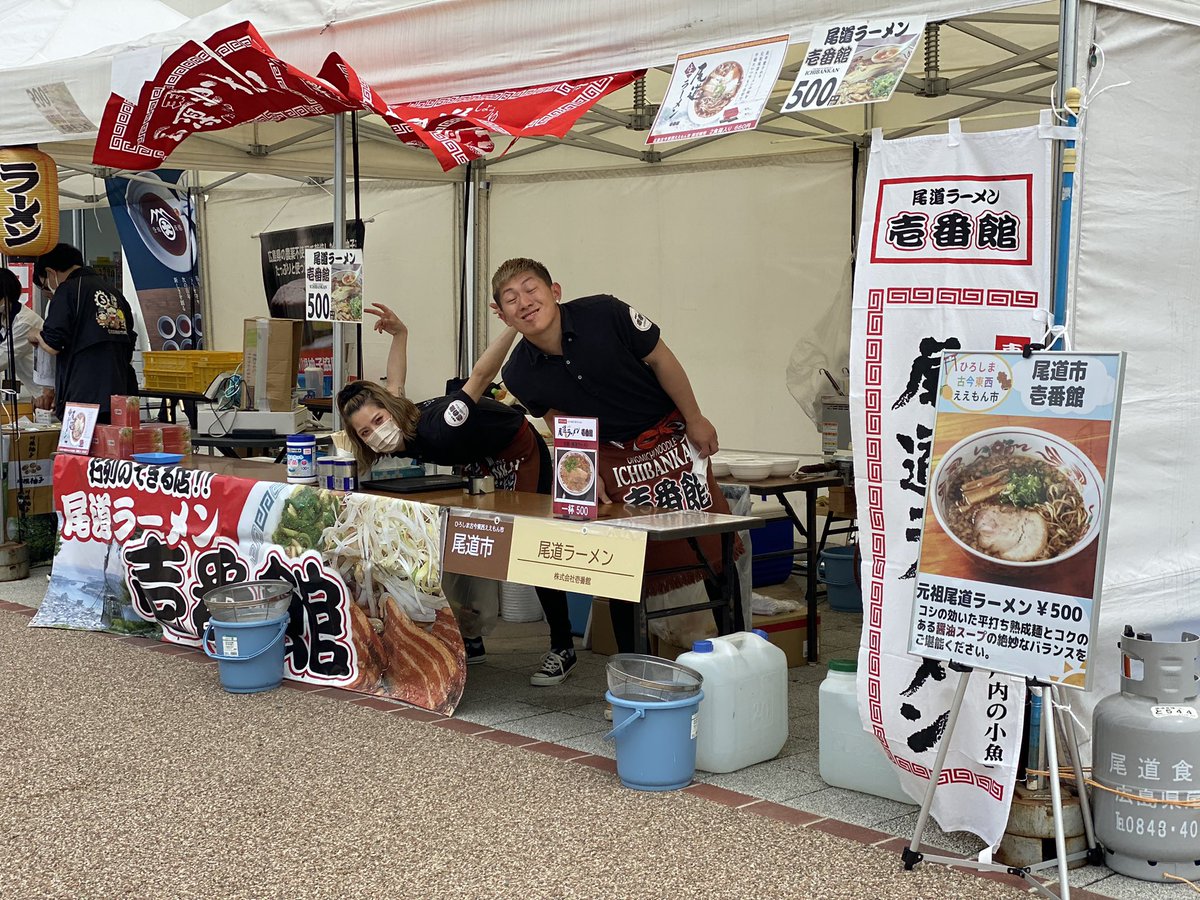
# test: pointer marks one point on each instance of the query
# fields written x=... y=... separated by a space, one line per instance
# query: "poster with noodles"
x=139 y=546
x=953 y=253
x=1016 y=514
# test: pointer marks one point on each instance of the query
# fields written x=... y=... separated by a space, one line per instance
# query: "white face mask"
x=385 y=438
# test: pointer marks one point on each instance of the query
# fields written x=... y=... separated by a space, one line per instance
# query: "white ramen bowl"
x=1034 y=444
x=747 y=470
x=718 y=466
x=784 y=465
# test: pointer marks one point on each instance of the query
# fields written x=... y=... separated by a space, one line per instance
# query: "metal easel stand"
x=912 y=853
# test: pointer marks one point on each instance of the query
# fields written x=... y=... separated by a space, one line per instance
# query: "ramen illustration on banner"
x=575 y=473
x=717 y=91
x=1018 y=497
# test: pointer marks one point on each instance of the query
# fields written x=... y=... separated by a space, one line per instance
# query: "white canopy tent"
x=740 y=245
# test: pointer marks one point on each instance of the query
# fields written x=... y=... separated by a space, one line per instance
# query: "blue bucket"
x=250 y=657
x=656 y=741
x=836 y=570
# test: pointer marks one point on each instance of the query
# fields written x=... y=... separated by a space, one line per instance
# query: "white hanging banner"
x=954 y=252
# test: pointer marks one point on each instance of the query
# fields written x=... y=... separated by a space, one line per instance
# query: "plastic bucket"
x=249 y=655
x=656 y=741
x=836 y=570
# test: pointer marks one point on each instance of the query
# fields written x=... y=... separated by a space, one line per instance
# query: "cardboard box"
x=600 y=631
x=788 y=632
x=270 y=361
x=36 y=450
x=842 y=502
x=23 y=409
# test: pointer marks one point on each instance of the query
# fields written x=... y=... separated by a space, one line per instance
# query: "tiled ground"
x=499 y=704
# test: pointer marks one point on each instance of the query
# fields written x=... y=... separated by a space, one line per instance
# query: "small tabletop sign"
x=576 y=447
x=333 y=285
x=79 y=423
x=849 y=63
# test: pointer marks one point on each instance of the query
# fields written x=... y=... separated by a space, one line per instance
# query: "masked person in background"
x=463 y=428
x=89 y=328
x=597 y=356
x=17 y=321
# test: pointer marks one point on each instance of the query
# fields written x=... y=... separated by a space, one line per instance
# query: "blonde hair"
x=510 y=269
x=358 y=394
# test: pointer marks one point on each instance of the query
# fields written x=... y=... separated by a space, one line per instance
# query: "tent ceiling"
x=996 y=64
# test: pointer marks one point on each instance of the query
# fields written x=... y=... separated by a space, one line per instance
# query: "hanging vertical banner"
x=156 y=223
x=1012 y=551
x=954 y=251
x=719 y=91
x=333 y=285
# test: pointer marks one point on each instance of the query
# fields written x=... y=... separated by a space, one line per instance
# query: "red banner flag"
x=234 y=78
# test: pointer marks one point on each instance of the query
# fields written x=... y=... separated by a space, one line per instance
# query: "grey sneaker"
x=556 y=666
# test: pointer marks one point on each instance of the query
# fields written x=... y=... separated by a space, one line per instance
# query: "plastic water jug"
x=851 y=757
x=744 y=713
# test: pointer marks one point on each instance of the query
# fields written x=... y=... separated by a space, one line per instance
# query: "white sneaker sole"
x=537 y=679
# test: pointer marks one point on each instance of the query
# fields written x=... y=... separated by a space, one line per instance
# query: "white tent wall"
x=411 y=262
x=1137 y=288
x=735 y=263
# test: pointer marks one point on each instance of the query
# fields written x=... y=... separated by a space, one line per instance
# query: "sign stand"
x=912 y=853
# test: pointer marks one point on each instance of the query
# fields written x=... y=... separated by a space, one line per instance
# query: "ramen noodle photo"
x=1015 y=508
x=346 y=297
x=718 y=89
x=575 y=473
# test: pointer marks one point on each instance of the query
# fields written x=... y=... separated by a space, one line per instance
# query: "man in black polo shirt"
x=89 y=327
x=597 y=356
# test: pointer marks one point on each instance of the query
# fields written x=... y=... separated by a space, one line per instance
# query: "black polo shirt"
x=600 y=373
x=455 y=430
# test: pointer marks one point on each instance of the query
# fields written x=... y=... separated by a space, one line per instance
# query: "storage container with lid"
x=851 y=757
x=744 y=714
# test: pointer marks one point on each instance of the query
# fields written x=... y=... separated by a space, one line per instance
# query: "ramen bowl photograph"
x=576 y=472
x=1018 y=500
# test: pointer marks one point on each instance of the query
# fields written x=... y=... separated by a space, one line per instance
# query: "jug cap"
x=761 y=633
x=843 y=665
x=702 y=647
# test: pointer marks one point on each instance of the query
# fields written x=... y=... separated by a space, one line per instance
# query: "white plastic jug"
x=744 y=713
x=851 y=757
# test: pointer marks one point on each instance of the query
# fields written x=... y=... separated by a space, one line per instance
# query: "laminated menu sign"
x=719 y=91
x=854 y=62
x=576 y=447
x=1017 y=511
x=333 y=285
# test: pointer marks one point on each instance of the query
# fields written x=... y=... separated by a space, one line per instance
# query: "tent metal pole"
x=339 y=241
x=1065 y=156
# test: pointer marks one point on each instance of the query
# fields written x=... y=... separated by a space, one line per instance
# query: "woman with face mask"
x=463 y=428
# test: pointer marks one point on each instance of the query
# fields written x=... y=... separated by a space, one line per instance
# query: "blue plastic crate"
x=776 y=534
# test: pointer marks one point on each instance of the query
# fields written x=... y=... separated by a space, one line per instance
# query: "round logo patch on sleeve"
x=640 y=322
x=456 y=414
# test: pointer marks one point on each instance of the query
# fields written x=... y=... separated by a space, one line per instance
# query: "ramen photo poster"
x=1012 y=548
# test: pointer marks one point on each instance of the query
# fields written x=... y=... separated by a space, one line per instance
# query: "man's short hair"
x=60 y=259
x=510 y=269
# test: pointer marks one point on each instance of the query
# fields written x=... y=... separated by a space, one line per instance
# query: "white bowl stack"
x=753 y=466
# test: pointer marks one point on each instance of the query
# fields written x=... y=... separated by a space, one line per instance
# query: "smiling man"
x=597 y=356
